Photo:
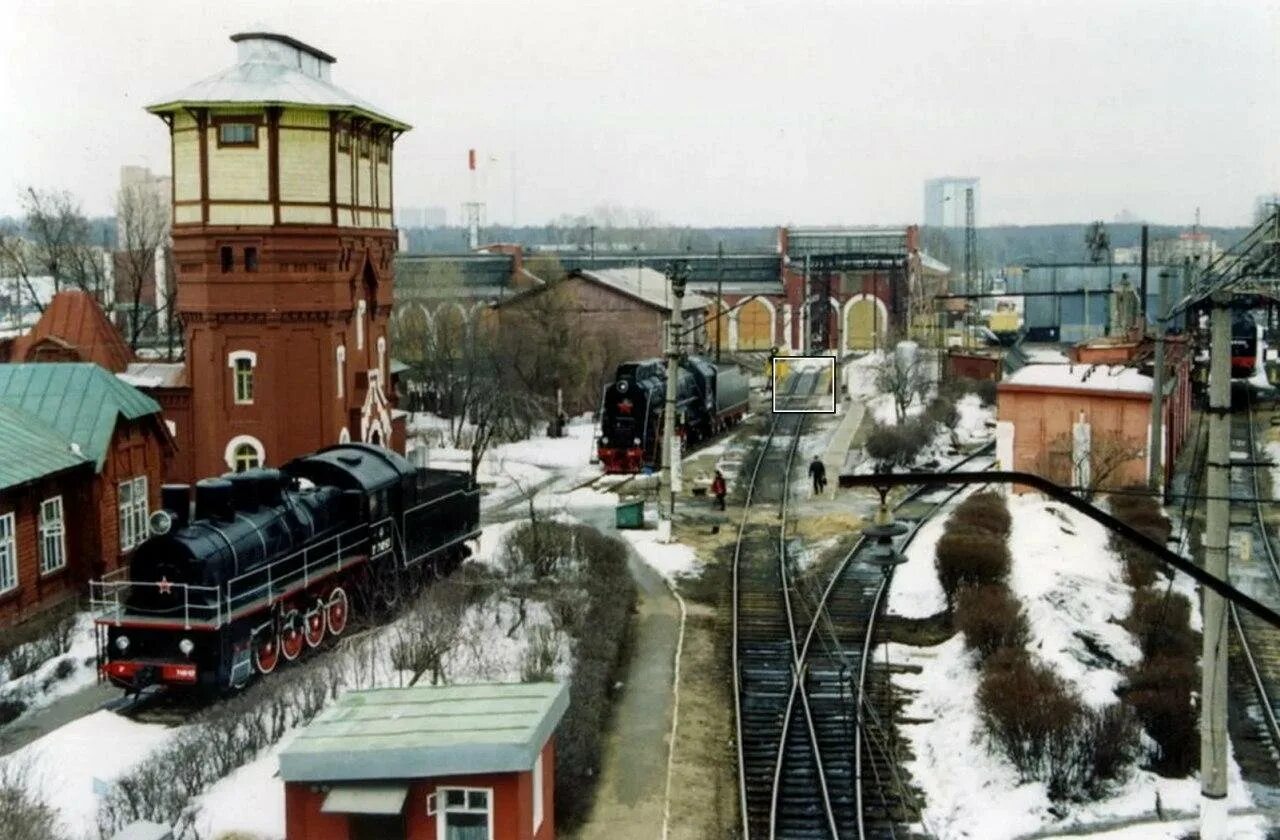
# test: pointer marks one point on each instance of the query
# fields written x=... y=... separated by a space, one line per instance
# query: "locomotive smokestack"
x=213 y=499
x=176 y=498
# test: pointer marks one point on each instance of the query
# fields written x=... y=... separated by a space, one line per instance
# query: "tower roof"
x=274 y=69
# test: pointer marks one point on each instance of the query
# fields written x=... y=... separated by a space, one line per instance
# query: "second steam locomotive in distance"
x=710 y=398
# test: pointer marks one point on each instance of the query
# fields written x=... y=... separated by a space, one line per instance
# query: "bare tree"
x=1105 y=456
x=905 y=376
x=140 y=262
x=60 y=242
x=17 y=261
x=430 y=630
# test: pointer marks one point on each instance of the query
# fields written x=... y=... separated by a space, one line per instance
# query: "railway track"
x=811 y=756
x=1257 y=641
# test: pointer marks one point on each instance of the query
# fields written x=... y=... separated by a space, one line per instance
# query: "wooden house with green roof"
x=82 y=456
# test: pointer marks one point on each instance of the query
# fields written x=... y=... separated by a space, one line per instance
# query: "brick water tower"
x=283 y=245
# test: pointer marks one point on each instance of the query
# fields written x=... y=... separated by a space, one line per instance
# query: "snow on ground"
x=804 y=553
x=1071 y=586
x=1273 y=455
x=64 y=764
x=1045 y=355
x=42 y=686
x=972 y=426
x=671 y=560
x=1243 y=827
x=250 y=800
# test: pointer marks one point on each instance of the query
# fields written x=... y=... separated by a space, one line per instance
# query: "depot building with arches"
x=841 y=290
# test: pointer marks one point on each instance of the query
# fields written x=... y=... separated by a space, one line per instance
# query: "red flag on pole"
x=471 y=159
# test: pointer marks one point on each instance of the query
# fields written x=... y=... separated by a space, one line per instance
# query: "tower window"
x=237 y=134
x=242 y=363
x=250 y=258
x=227 y=258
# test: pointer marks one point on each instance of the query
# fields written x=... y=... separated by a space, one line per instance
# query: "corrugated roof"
x=73 y=319
x=427 y=731
x=259 y=80
x=30 y=450
x=79 y=402
x=643 y=284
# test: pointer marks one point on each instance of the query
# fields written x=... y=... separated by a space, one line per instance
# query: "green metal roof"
x=29 y=450
x=427 y=731
x=78 y=402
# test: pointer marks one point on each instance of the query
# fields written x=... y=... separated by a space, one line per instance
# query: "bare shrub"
x=11 y=707
x=987 y=511
x=1161 y=623
x=1112 y=737
x=942 y=411
x=430 y=630
x=23 y=814
x=541 y=654
x=900 y=445
x=990 y=618
x=1160 y=690
x=970 y=557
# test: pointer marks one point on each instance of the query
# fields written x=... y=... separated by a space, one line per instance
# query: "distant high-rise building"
x=155 y=191
x=1263 y=205
x=944 y=201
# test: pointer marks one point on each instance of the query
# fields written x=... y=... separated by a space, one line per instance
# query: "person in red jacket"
x=718 y=489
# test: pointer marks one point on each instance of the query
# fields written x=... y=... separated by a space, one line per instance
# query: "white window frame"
x=133 y=513
x=361 y=309
x=537 y=793
x=229 y=454
x=344 y=435
x=233 y=362
x=437 y=806
x=341 y=354
x=382 y=357
x=8 y=553
x=53 y=535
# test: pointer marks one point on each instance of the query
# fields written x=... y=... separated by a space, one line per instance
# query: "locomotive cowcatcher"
x=273 y=562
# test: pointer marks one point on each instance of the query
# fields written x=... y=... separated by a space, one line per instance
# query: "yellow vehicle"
x=775 y=361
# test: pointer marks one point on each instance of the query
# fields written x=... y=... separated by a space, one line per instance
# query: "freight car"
x=273 y=562
x=709 y=399
x=1244 y=345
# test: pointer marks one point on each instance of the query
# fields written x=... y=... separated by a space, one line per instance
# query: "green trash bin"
x=630 y=514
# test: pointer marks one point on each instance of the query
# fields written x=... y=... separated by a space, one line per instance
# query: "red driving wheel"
x=291 y=635
x=336 y=612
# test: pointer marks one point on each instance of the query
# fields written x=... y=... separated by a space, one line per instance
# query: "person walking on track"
x=818 y=472
x=719 y=489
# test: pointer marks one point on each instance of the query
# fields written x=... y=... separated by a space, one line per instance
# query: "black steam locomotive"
x=710 y=398
x=273 y=562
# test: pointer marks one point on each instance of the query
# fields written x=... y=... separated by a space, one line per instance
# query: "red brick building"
x=73 y=328
x=81 y=463
x=429 y=762
x=283 y=245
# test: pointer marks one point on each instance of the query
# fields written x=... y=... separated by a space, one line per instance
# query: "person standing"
x=718 y=489
x=818 y=472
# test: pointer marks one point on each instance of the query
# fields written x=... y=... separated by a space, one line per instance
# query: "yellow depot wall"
x=241 y=214
x=290 y=213
x=186 y=165
x=365 y=189
x=344 y=178
x=181 y=119
x=238 y=172
x=384 y=185
x=304 y=165
x=186 y=213
x=303 y=117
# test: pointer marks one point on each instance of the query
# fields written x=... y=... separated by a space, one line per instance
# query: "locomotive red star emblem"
x=624 y=407
x=164 y=586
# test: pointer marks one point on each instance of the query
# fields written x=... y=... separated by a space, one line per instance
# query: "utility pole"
x=1155 y=458
x=1213 y=677
x=719 y=294
x=804 y=311
x=970 y=264
x=678 y=275
x=1160 y=313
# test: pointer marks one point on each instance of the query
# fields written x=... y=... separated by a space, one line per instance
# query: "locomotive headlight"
x=122 y=643
x=186 y=646
x=636 y=441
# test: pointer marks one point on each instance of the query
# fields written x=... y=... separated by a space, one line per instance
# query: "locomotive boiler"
x=709 y=399
x=270 y=563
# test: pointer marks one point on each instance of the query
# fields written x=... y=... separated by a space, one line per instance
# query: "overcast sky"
x=725 y=113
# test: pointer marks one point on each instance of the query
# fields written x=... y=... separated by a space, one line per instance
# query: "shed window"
x=8 y=554
x=246 y=458
x=132 y=503
x=464 y=813
x=384 y=151
x=53 y=545
x=227 y=259
x=251 y=258
x=237 y=134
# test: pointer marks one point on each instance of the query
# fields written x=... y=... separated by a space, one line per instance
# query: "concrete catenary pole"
x=1155 y=459
x=1213 y=682
x=677 y=275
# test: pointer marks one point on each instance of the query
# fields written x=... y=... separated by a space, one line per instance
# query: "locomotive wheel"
x=291 y=642
x=336 y=611
x=313 y=629
x=266 y=651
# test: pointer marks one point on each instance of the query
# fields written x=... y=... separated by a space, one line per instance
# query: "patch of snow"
x=64 y=764
x=250 y=800
x=1273 y=455
x=671 y=560
x=32 y=688
x=1070 y=584
x=1045 y=355
x=976 y=423
x=1082 y=377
